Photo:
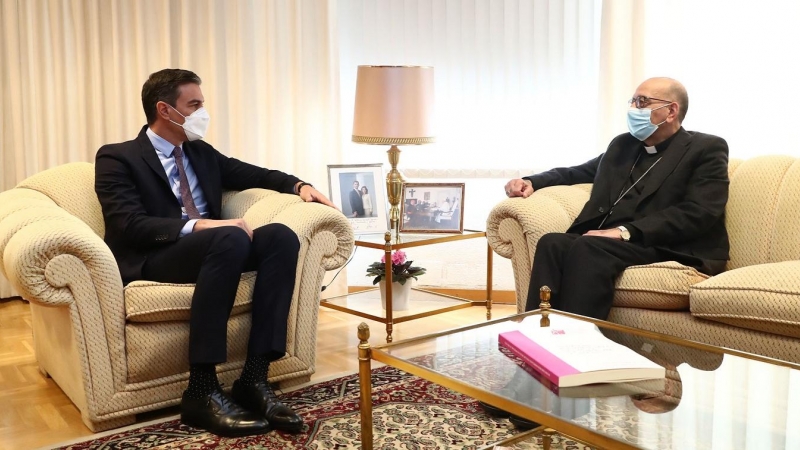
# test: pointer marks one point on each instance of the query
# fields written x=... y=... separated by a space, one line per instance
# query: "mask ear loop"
x=651 y=112
x=179 y=113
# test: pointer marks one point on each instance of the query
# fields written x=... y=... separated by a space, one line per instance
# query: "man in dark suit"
x=161 y=195
x=659 y=194
x=356 y=202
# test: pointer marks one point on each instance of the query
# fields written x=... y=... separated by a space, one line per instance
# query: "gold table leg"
x=365 y=384
x=547 y=438
x=387 y=255
x=489 y=259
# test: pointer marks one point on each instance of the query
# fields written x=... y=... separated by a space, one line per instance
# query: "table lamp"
x=394 y=106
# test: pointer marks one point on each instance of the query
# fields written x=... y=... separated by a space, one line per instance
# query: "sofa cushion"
x=763 y=297
x=149 y=301
x=663 y=285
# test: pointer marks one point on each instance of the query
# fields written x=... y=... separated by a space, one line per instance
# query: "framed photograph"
x=432 y=208
x=360 y=192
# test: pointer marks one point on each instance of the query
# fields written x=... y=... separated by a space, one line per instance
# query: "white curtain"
x=738 y=60
x=72 y=73
x=516 y=80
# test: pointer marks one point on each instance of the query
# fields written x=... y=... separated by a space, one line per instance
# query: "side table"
x=427 y=302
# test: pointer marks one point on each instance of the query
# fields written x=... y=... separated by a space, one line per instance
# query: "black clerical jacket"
x=682 y=205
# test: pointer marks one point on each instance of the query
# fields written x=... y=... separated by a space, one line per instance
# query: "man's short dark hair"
x=164 y=86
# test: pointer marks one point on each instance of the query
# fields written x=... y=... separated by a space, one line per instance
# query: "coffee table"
x=711 y=398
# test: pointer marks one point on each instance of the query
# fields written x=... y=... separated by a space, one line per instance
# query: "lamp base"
x=394 y=189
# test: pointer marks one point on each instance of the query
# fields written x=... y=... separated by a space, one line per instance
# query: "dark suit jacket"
x=682 y=206
x=141 y=213
x=357 y=203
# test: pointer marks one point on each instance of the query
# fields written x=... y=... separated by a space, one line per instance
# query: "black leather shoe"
x=522 y=423
x=493 y=410
x=519 y=422
x=259 y=398
x=218 y=414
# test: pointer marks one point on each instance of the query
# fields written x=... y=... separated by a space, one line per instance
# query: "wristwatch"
x=300 y=186
x=624 y=234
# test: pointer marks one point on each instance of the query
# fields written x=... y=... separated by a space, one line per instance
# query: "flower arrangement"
x=401 y=269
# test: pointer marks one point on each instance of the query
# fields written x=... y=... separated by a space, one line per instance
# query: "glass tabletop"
x=369 y=302
x=710 y=398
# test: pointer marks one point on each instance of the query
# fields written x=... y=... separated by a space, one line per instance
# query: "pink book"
x=575 y=356
x=536 y=356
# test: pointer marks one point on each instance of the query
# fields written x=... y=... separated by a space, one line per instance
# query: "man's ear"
x=162 y=109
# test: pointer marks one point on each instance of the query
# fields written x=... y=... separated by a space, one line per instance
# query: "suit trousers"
x=581 y=271
x=214 y=260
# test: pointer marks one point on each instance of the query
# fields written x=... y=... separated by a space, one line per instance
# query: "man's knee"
x=588 y=244
x=553 y=241
x=546 y=241
x=229 y=242
x=276 y=237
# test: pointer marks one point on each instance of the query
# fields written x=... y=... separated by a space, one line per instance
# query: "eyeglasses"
x=642 y=101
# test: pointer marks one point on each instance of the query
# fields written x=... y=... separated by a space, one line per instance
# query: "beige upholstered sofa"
x=753 y=306
x=117 y=351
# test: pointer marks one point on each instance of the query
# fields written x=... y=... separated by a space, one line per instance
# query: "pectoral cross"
x=411 y=191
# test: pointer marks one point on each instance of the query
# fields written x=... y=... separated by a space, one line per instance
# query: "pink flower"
x=398 y=258
x=401 y=269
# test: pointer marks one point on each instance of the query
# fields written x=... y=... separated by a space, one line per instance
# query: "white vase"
x=400 y=295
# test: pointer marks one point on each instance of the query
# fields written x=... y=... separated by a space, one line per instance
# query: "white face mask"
x=639 y=123
x=195 y=124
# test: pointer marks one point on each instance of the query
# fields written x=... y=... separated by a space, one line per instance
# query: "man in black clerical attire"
x=659 y=194
x=161 y=195
x=356 y=202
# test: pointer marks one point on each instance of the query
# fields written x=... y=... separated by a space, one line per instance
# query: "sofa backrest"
x=763 y=211
x=71 y=187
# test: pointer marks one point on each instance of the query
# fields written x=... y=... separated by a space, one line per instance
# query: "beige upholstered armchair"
x=753 y=306
x=117 y=351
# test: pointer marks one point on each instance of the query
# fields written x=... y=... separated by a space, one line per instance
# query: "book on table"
x=617 y=389
x=571 y=352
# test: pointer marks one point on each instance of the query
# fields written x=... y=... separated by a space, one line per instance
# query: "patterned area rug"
x=409 y=413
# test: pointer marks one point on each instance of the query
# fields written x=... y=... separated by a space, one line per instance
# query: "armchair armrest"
x=310 y=221
x=515 y=225
x=56 y=261
x=236 y=203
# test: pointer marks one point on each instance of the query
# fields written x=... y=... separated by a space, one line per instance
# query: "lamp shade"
x=394 y=105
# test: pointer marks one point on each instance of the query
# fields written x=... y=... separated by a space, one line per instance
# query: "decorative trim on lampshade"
x=393 y=141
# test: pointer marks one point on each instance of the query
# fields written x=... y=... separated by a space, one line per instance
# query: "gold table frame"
x=550 y=424
x=388 y=247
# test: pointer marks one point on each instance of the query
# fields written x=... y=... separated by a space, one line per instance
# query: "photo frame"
x=432 y=208
x=365 y=208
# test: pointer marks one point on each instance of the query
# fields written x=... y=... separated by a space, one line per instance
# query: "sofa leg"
x=103 y=425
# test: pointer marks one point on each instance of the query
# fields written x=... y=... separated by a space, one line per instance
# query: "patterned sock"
x=202 y=380
x=255 y=370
